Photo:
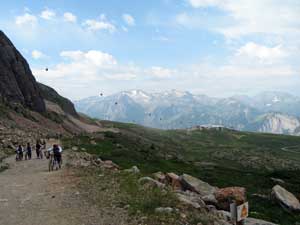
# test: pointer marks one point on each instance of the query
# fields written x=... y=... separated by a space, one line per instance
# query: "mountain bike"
x=54 y=163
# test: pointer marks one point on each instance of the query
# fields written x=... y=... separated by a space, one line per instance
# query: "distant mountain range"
x=272 y=112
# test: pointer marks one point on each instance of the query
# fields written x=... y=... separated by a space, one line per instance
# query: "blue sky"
x=214 y=47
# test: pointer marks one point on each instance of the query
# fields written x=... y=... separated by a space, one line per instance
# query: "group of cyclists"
x=54 y=153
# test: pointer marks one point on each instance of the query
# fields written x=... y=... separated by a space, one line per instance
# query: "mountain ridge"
x=181 y=109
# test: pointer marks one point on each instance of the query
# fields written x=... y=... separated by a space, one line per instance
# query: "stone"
x=149 y=182
x=166 y=210
x=210 y=199
x=108 y=164
x=224 y=196
x=174 y=180
x=190 y=198
x=196 y=185
x=224 y=214
x=252 y=221
x=133 y=169
x=285 y=198
x=161 y=177
x=75 y=148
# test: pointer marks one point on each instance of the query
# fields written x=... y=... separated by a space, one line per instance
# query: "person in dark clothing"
x=57 y=154
x=38 y=150
x=19 y=153
x=28 y=151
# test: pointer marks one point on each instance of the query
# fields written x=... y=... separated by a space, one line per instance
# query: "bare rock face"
x=17 y=84
x=286 y=199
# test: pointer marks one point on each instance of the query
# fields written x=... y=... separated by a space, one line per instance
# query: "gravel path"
x=30 y=195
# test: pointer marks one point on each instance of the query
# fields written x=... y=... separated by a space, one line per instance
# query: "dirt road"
x=30 y=195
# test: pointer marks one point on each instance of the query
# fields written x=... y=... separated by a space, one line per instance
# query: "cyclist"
x=55 y=156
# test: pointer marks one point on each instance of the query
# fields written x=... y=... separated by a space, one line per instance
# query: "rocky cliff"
x=17 y=84
x=30 y=110
x=51 y=95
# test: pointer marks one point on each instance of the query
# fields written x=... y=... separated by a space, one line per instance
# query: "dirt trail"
x=30 y=195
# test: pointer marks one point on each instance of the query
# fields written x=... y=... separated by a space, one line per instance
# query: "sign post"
x=239 y=213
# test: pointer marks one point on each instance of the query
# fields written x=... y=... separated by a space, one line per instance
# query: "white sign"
x=242 y=211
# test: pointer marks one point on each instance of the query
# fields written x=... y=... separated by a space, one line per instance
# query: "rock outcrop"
x=286 y=199
x=196 y=185
x=51 y=95
x=17 y=84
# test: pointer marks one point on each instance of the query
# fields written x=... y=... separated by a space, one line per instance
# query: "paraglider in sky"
x=101 y=94
x=116 y=103
x=46 y=69
x=149 y=114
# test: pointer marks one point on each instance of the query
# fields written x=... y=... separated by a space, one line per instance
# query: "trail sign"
x=242 y=211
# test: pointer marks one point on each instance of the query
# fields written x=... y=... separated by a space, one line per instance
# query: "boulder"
x=286 y=199
x=252 y=221
x=196 y=185
x=224 y=214
x=149 y=182
x=190 y=198
x=174 y=180
x=108 y=164
x=160 y=176
x=133 y=169
x=224 y=196
x=210 y=199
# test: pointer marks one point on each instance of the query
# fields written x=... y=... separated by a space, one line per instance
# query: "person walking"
x=28 y=152
x=38 y=149
x=19 y=153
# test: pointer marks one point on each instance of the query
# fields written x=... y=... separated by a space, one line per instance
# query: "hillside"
x=221 y=157
x=270 y=112
x=30 y=110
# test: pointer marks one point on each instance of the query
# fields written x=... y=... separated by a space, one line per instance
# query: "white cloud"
x=128 y=19
x=160 y=72
x=81 y=74
x=70 y=17
x=92 y=57
x=26 y=19
x=261 y=52
x=101 y=24
x=48 y=14
x=254 y=17
x=205 y=3
x=37 y=54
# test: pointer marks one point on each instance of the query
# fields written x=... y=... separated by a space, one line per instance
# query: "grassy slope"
x=222 y=158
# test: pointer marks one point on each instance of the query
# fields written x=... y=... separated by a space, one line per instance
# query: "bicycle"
x=54 y=163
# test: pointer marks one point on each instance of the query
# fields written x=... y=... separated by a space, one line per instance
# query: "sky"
x=214 y=47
